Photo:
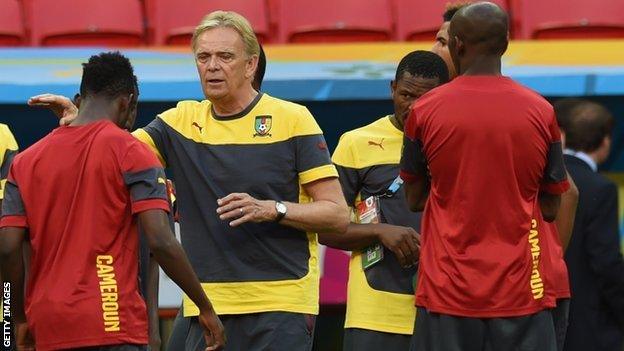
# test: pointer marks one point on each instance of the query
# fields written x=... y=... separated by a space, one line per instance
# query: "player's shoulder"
x=375 y=129
x=185 y=110
x=4 y=130
x=286 y=109
x=531 y=95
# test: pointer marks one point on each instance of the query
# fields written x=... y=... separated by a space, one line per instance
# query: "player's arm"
x=404 y=242
x=152 y=304
x=555 y=180
x=171 y=257
x=567 y=213
x=415 y=174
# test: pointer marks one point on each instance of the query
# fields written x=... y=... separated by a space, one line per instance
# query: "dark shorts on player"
x=257 y=331
x=560 y=320
x=441 y=332
x=356 y=339
x=120 y=347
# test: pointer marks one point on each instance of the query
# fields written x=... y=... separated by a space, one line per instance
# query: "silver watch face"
x=280 y=207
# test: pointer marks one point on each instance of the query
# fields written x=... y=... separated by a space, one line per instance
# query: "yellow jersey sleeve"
x=8 y=150
x=313 y=159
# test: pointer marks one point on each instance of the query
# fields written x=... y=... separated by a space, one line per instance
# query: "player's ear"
x=392 y=87
x=77 y=100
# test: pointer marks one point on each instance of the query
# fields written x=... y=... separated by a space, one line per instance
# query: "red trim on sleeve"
x=408 y=177
x=14 y=221
x=150 y=204
x=556 y=188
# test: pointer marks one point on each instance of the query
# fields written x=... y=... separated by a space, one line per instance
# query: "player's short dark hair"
x=424 y=64
x=585 y=123
x=452 y=8
x=108 y=74
x=259 y=76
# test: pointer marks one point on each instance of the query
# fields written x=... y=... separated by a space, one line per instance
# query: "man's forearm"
x=567 y=214
x=152 y=299
x=318 y=216
x=176 y=265
x=357 y=237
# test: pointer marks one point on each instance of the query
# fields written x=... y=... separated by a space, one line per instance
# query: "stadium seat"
x=574 y=19
x=171 y=22
x=419 y=20
x=11 y=23
x=335 y=21
x=86 y=22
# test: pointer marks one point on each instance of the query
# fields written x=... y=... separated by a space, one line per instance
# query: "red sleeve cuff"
x=408 y=177
x=14 y=221
x=556 y=188
x=150 y=204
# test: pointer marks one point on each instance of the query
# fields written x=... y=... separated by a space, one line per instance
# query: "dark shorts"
x=364 y=340
x=120 y=347
x=560 y=320
x=441 y=332
x=256 y=331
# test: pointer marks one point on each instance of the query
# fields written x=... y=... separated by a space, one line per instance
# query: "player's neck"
x=482 y=66
x=93 y=110
x=396 y=123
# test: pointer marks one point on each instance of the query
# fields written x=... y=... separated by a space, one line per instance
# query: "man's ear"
x=392 y=87
x=77 y=100
x=252 y=66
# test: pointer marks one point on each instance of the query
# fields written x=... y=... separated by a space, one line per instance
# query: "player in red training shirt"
x=78 y=194
x=482 y=148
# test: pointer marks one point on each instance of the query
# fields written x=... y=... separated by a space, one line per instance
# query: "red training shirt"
x=489 y=145
x=76 y=190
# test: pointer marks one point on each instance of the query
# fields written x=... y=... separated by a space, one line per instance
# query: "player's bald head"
x=483 y=26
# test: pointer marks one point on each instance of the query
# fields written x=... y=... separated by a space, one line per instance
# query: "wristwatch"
x=281 y=209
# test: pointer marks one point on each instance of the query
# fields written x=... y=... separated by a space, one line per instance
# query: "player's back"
x=486 y=141
x=74 y=185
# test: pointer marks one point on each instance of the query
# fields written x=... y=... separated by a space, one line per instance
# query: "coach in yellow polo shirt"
x=380 y=299
x=254 y=182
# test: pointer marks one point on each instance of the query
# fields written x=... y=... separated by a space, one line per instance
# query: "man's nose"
x=212 y=64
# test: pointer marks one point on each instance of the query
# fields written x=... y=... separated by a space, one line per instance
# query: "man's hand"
x=243 y=208
x=24 y=340
x=61 y=106
x=213 y=330
x=404 y=242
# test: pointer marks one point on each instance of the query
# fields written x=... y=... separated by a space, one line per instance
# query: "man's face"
x=407 y=89
x=455 y=49
x=441 y=48
x=222 y=63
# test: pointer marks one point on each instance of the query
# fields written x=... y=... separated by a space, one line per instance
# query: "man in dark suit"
x=594 y=259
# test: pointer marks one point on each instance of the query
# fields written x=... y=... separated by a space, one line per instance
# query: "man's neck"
x=92 y=111
x=396 y=123
x=483 y=66
x=232 y=105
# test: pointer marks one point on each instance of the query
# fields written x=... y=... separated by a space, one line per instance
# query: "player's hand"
x=24 y=340
x=61 y=106
x=404 y=242
x=242 y=208
x=213 y=330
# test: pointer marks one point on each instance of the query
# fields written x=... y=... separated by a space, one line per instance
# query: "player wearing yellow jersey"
x=380 y=301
